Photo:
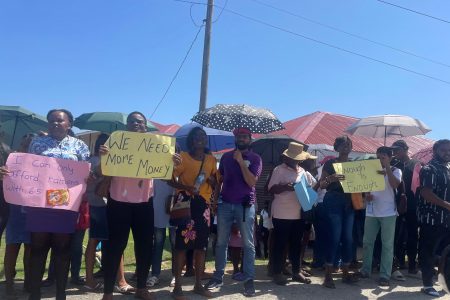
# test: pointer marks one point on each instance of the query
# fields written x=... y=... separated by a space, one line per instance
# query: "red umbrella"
x=424 y=155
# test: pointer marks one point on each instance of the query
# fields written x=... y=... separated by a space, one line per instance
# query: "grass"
x=129 y=262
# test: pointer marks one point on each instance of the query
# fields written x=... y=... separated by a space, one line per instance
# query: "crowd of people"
x=410 y=218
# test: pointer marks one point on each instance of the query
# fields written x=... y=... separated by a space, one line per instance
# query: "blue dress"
x=47 y=219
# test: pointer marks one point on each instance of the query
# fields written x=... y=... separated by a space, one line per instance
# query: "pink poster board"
x=40 y=181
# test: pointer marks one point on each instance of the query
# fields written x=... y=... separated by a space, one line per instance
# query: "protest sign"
x=138 y=155
x=361 y=176
x=41 y=181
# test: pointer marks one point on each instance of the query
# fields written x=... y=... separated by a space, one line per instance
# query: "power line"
x=178 y=71
x=220 y=14
x=350 y=34
x=326 y=44
x=415 y=11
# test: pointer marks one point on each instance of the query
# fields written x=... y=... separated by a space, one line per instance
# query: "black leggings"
x=287 y=232
x=121 y=218
x=41 y=242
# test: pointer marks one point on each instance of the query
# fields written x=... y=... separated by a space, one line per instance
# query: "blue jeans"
x=76 y=253
x=159 y=237
x=227 y=213
x=340 y=217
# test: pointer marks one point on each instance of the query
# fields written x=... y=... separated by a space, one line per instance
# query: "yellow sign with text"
x=361 y=176
x=138 y=155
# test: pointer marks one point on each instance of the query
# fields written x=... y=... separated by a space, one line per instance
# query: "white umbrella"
x=388 y=125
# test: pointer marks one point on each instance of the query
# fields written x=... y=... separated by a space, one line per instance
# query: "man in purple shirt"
x=239 y=171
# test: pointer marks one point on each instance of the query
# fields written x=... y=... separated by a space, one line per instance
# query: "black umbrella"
x=227 y=117
x=270 y=148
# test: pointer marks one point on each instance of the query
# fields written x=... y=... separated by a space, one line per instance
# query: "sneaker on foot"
x=249 y=288
x=172 y=282
x=213 y=283
x=152 y=281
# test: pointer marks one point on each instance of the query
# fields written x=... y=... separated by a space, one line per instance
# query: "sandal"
x=98 y=287
x=199 y=290
x=144 y=294
x=301 y=278
x=430 y=292
x=305 y=273
x=125 y=289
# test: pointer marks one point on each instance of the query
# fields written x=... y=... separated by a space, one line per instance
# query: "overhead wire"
x=178 y=71
x=414 y=11
x=324 y=43
x=350 y=34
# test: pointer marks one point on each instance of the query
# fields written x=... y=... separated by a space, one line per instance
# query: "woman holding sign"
x=128 y=208
x=52 y=228
x=195 y=179
x=339 y=214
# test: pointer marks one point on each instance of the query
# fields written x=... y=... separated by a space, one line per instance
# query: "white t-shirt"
x=383 y=203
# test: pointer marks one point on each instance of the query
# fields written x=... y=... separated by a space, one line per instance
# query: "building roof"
x=324 y=127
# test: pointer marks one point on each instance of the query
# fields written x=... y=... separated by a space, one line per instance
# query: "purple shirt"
x=235 y=189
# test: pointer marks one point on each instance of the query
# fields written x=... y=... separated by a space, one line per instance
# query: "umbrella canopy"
x=388 y=125
x=228 y=117
x=107 y=122
x=218 y=140
x=270 y=148
x=16 y=121
x=424 y=155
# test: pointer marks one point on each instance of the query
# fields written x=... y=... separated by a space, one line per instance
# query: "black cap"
x=400 y=144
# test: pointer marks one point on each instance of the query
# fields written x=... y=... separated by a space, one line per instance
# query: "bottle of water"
x=199 y=181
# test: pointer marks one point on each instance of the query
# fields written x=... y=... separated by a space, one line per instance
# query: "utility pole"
x=206 y=50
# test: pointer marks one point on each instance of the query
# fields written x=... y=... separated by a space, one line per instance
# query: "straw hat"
x=295 y=152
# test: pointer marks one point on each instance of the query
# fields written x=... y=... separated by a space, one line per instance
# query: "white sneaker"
x=172 y=282
x=152 y=281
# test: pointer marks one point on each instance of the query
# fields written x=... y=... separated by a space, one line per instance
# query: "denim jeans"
x=227 y=213
x=76 y=253
x=159 y=237
x=371 y=228
x=340 y=217
x=321 y=231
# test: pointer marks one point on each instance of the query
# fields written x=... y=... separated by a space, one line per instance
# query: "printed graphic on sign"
x=40 y=181
x=139 y=155
x=361 y=176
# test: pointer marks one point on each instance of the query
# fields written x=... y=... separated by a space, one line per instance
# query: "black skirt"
x=195 y=234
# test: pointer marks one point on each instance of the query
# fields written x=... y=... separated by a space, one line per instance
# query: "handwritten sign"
x=40 y=181
x=361 y=176
x=139 y=155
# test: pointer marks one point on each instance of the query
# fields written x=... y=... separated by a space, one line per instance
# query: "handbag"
x=357 y=201
x=83 y=217
x=180 y=207
x=401 y=199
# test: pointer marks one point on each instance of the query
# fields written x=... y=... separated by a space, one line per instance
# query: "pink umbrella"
x=424 y=155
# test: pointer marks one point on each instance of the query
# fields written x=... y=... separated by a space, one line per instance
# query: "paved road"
x=365 y=289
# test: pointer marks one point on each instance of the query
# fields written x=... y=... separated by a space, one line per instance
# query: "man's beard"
x=242 y=147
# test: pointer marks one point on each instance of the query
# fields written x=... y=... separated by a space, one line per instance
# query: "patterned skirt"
x=195 y=234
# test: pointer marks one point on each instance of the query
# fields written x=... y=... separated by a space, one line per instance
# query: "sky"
x=111 y=55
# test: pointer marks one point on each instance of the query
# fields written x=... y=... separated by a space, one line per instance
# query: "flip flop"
x=126 y=289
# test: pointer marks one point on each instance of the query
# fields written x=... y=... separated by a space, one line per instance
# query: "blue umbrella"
x=217 y=139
